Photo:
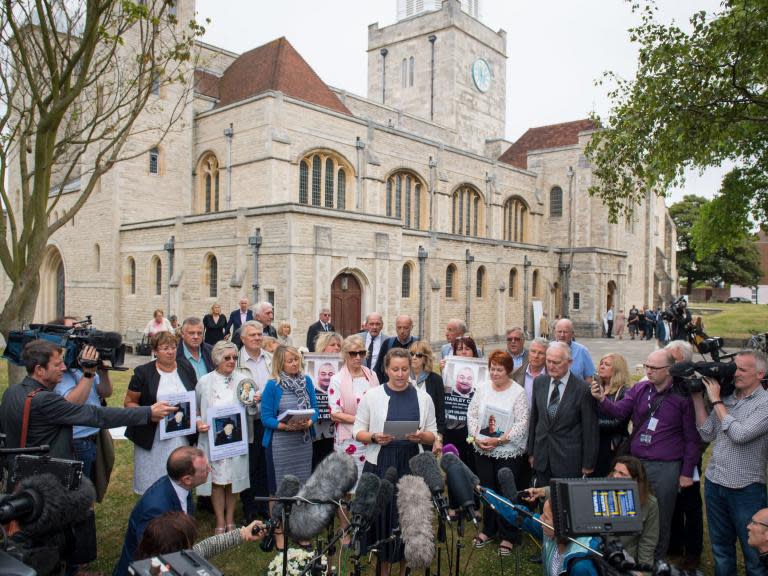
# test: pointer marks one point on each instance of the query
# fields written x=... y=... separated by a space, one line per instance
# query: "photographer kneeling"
x=735 y=478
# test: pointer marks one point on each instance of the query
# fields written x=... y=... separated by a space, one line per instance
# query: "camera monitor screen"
x=595 y=506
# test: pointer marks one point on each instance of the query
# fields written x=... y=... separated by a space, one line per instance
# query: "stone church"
x=405 y=200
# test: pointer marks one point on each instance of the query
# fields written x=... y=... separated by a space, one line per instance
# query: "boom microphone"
x=682 y=370
x=386 y=491
x=450 y=460
x=425 y=466
x=460 y=485
x=508 y=486
x=413 y=505
x=363 y=506
x=332 y=479
x=289 y=487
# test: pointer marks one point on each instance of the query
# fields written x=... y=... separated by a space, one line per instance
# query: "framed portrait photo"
x=183 y=422
x=321 y=368
x=227 y=435
x=461 y=376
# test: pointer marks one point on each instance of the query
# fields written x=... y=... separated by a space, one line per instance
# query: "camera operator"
x=734 y=485
x=679 y=317
x=757 y=528
x=32 y=414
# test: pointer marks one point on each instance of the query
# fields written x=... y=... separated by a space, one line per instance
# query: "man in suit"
x=265 y=314
x=516 y=346
x=374 y=338
x=193 y=350
x=187 y=469
x=563 y=433
x=533 y=367
x=322 y=325
x=236 y=319
x=404 y=339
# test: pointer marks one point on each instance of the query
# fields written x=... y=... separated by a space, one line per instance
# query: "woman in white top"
x=497 y=418
x=158 y=324
x=228 y=476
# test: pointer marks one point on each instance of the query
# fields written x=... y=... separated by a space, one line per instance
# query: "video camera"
x=71 y=339
x=184 y=562
x=687 y=376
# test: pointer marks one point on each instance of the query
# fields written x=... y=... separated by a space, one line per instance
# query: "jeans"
x=85 y=451
x=728 y=512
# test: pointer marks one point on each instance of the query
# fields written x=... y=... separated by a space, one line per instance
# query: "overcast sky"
x=556 y=48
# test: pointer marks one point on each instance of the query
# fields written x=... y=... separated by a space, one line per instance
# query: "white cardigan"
x=372 y=413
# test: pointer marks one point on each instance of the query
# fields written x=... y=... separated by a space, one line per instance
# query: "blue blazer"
x=234 y=324
x=156 y=501
x=270 y=408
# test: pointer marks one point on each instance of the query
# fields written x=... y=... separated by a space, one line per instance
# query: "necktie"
x=554 y=400
x=369 y=356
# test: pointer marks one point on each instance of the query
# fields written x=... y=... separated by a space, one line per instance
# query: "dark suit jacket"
x=205 y=352
x=313 y=332
x=156 y=501
x=234 y=324
x=568 y=443
x=386 y=346
x=145 y=380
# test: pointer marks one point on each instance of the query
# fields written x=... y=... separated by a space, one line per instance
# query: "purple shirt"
x=675 y=437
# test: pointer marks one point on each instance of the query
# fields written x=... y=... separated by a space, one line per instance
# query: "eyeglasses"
x=514 y=339
x=757 y=522
x=417 y=355
x=229 y=357
x=650 y=368
x=357 y=353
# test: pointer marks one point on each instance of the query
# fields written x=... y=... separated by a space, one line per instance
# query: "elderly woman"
x=156 y=379
x=396 y=400
x=288 y=444
x=613 y=380
x=284 y=333
x=228 y=476
x=215 y=324
x=158 y=324
x=423 y=377
x=504 y=402
x=328 y=342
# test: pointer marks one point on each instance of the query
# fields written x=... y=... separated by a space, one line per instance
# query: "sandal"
x=231 y=527
x=221 y=530
x=479 y=542
x=505 y=548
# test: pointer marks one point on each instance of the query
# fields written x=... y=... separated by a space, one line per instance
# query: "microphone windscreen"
x=384 y=497
x=366 y=493
x=450 y=449
x=452 y=460
x=414 y=505
x=60 y=507
x=289 y=487
x=333 y=478
x=99 y=339
x=682 y=369
x=425 y=466
x=508 y=484
x=460 y=489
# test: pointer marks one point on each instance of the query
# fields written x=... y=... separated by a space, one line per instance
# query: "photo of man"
x=465 y=381
x=178 y=420
x=491 y=430
x=229 y=430
x=325 y=372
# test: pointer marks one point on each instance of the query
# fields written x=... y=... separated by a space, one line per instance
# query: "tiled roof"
x=275 y=66
x=207 y=84
x=542 y=137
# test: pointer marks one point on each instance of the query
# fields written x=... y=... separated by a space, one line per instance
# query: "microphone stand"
x=459 y=541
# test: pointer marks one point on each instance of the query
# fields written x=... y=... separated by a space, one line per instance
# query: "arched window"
x=480 y=288
x=467 y=211
x=212 y=276
x=535 y=284
x=411 y=66
x=157 y=267
x=556 y=202
x=131 y=275
x=406 y=284
x=515 y=220
x=208 y=176
x=329 y=180
x=450 y=278
x=404 y=198
x=404 y=72
x=513 y=283
x=97 y=257
x=154 y=160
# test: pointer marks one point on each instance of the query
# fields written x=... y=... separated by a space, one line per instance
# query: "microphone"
x=333 y=478
x=450 y=449
x=386 y=491
x=682 y=370
x=461 y=483
x=451 y=460
x=508 y=486
x=289 y=487
x=363 y=506
x=104 y=340
x=413 y=505
x=425 y=466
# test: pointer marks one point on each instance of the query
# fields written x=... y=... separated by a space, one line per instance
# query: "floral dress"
x=348 y=445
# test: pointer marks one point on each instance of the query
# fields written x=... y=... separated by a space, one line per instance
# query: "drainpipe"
x=422 y=273
x=432 y=39
x=255 y=242
x=468 y=310
x=384 y=53
x=526 y=308
x=566 y=267
x=432 y=170
x=170 y=247
x=359 y=147
x=229 y=133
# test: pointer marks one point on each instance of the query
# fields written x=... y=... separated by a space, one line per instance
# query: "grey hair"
x=542 y=341
x=254 y=323
x=685 y=348
x=460 y=324
x=564 y=347
x=761 y=363
x=261 y=306
x=217 y=353
x=516 y=329
x=191 y=321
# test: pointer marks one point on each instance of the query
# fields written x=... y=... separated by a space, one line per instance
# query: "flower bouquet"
x=298 y=559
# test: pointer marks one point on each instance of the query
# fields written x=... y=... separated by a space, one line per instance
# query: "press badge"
x=652 y=422
x=645 y=439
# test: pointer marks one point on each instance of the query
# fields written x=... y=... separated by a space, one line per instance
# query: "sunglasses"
x=357 y=353
x=417 y=355
x=229 y=357
x=514 y=339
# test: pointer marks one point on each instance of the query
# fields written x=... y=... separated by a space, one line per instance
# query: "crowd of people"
x=539 y=408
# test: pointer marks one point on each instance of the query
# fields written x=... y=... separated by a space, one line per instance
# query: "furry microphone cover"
x=414 y=504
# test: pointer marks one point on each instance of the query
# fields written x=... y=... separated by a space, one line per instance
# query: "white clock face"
x=481 y=74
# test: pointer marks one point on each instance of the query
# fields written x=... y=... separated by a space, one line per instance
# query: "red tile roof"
x=275 y=66
x=542 y=137
x=207 y=84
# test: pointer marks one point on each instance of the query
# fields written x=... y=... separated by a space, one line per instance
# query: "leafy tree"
x=738 y=263
x=699 y=98
x=76 y=78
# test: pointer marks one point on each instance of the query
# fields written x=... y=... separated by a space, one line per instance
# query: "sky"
x=556 y=49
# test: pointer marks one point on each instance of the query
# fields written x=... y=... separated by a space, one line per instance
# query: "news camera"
x=72 y=340
x=688 y=376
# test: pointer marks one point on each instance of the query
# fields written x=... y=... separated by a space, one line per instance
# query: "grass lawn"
x=112 y=518
x=732 y=320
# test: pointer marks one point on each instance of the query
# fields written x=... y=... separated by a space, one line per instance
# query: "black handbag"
x=143 y=348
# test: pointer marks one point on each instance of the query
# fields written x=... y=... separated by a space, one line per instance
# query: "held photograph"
x=461 y=376
x=180 y=423
x=227 y=434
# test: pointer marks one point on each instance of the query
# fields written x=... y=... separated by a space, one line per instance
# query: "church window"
x=404 y=198
x=304 y=182
x=556 y=202
x=577 y=300
x=512 y=283
x=329 y=180
x=405 y=291
x=97 y=257
x=341 y=183
x=208 y=174
x=515 y=220
x=155 y=87
x=172 y=8
x=316 y=168
x=535 y=284
x=154 y=160
x=468 y=216
x=132 y=275
x=404 y=72
x=480 y=288
x=450 y=278
x=212 y=276
x=328 y=183
x=158 y=270
x=411 y=66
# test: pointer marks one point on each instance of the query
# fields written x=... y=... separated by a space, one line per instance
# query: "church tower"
x=440 y=63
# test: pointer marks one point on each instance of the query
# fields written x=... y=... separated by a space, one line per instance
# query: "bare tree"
x=76 y=78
